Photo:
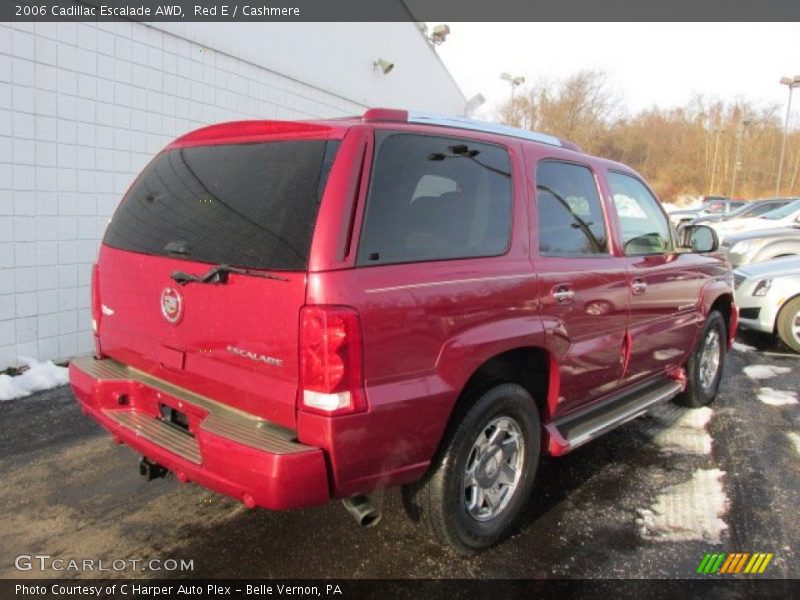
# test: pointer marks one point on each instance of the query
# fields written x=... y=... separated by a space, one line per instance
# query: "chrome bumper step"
x=222 y=420
x=158 y=432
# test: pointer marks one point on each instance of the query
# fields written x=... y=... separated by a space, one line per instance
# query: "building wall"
x=84 y=106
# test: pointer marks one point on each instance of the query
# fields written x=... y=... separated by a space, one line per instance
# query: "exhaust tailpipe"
x=362 y=510
x=150 y=470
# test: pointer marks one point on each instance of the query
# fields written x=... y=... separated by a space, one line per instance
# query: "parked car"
x=292 y=312
x=708 y=199
x=722 y=206
x=712 y=205
x=755 y=208
x=785 y=216
x=768 y=295
x=761 y=245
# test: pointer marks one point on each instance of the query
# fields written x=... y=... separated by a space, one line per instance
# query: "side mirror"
x=700 y=238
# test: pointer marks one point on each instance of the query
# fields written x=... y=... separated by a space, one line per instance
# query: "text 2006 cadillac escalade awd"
x=292 y=312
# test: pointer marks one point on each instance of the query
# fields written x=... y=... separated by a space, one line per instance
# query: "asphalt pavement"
x=648 y=500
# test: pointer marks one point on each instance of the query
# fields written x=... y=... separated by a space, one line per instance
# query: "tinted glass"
x=249 y=205
x=434 y=198
x=571 y=221
x=783 y=211
x=645 y=229
x=759 y=208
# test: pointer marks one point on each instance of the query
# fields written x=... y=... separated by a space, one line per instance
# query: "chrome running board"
x=582 y=426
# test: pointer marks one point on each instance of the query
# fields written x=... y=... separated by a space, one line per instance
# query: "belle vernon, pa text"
x=135 y=589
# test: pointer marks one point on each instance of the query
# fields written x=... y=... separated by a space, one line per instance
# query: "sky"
x=648 y=64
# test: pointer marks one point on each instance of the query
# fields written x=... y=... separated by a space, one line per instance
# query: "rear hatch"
x=249 y=206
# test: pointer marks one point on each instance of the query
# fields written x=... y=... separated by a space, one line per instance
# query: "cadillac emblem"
x=171 y=305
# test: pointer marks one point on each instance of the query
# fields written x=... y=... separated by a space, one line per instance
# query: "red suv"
x=291 y=312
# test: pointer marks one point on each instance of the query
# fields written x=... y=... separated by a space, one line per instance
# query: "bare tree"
x=674 y=148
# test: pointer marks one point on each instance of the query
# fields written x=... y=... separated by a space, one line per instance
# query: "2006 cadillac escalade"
x=292 y=312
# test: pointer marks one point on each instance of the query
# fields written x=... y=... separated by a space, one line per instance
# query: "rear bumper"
x=228 y=451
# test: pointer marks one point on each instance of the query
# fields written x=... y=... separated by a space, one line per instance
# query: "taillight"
x=95 y=291
x=331 y=360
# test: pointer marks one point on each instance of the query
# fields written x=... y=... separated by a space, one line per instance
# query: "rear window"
x=248 y=205
x=434 y=198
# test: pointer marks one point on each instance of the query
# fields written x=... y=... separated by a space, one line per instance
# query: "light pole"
x=514 y=81
x=791 y=83
x=740 y=135
x=714 y=162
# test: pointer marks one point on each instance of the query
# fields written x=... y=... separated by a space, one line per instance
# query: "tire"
x=702 y=383
x=788 y=324
x=440 y=501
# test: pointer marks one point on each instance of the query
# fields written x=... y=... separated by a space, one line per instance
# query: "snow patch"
x=687 y=434
x=764 y=371
x=688 y=511
x=39 y=376
x=740 y=347
x=795 y=439
x=776 y=397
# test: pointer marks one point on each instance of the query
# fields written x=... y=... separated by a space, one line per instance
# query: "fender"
x=462 y=355
x=714 y=289
x=777 y=248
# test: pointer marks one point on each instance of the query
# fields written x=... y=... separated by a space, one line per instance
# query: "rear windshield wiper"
x=219 y=274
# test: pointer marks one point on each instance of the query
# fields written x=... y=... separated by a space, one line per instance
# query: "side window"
x=761 y=209
x=569 y=208
x=433 y=198
x=645 y=228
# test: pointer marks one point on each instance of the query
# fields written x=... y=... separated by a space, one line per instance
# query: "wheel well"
x=528 y=367
x=724 y=305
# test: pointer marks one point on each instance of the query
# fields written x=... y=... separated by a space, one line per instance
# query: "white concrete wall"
x=84 y=106
x=339 y=57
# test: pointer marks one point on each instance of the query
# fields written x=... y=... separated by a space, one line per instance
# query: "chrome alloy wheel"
x=494 y=468
x=796 y=327
x=710 y=359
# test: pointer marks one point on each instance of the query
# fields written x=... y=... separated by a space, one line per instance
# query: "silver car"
x=768 y=297
x=761 y=245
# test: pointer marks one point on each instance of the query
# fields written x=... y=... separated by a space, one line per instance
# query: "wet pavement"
x=647 y=500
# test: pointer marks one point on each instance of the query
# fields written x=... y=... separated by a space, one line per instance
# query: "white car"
x=768 y=297
x=785 y=216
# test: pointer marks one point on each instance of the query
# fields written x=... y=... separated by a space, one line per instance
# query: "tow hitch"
x=150 y=470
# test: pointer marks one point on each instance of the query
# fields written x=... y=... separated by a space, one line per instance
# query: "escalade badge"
x=270 y=360
x=171 y=305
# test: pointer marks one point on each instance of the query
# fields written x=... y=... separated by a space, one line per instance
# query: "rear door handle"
x=563 y=294
x=638 y=286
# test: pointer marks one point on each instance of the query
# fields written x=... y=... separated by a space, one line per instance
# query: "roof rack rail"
x=474 y=125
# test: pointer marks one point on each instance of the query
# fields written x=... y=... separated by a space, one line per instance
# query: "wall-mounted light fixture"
x=473 y=104
x=439 y=34
x=383 y=65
